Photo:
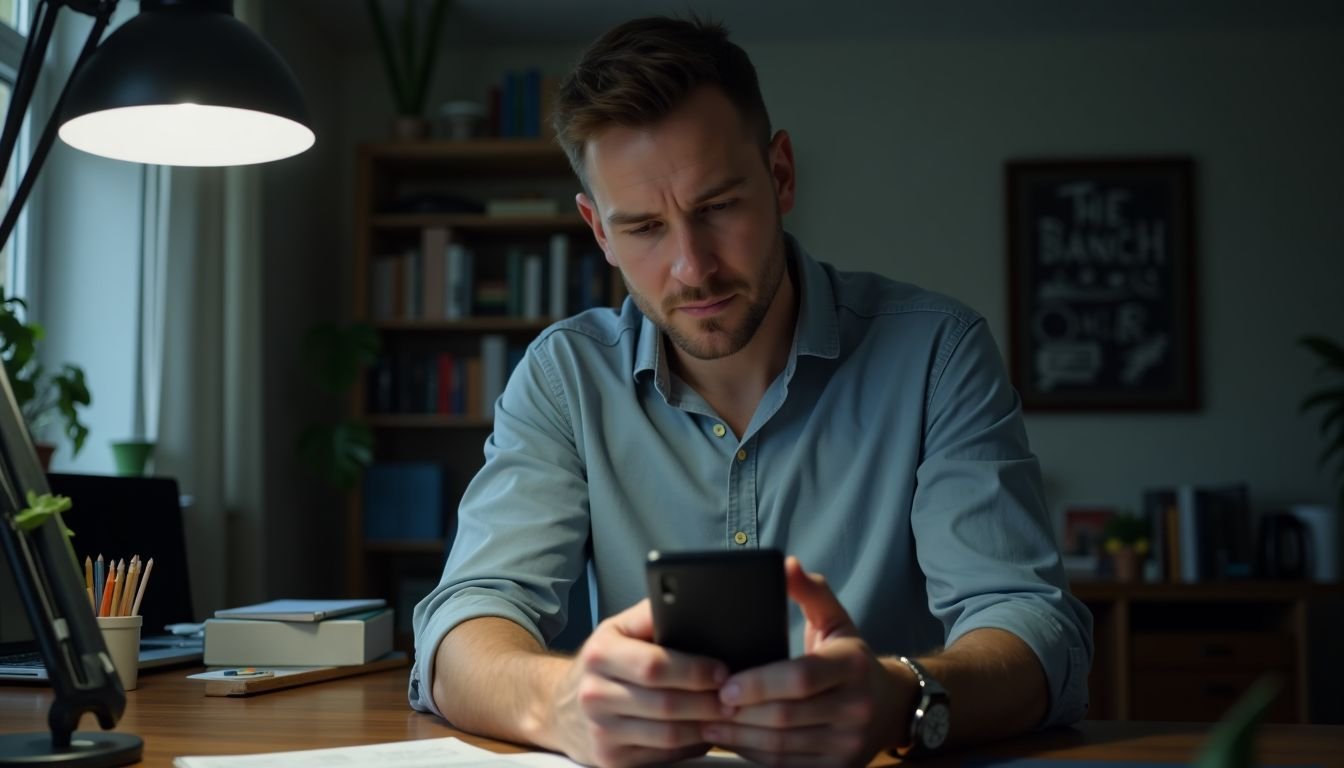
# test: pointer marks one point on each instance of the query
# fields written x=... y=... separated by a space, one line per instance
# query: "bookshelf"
x=421 y=221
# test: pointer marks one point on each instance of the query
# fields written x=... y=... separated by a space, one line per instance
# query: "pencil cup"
x=121 y=634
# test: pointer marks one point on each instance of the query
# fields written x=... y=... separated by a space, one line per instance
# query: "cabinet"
x=1186 y=652
x=451 y=317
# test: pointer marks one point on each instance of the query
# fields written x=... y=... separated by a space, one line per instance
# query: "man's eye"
x=644 y=229
x=723 y=206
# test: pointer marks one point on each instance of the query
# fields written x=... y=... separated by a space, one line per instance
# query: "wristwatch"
x=929 y=724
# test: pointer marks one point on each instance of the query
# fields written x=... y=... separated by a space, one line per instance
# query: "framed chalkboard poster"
x=1101 y=266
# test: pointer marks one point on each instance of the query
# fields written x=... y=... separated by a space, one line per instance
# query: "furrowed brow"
x=620 y=218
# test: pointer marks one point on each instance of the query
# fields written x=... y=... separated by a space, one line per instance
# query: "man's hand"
x=836 y=704
x=628 y=701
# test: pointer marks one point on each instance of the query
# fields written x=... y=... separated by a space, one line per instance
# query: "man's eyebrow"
x=618 y=218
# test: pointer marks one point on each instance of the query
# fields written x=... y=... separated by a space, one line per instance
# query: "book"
x=354 y=639
x=300 y=610
x=217 y=683
x=404 y=500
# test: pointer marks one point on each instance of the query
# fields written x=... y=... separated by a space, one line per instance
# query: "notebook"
x=117 y=517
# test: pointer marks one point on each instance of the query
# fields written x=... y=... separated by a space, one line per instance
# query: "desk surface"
x=175 y=718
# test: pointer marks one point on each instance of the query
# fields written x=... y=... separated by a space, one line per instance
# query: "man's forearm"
x=492 y=678
x=997 y=686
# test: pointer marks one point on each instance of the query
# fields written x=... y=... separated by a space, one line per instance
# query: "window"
x=14 y=15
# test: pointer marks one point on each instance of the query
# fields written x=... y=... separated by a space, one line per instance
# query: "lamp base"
x=88 y=749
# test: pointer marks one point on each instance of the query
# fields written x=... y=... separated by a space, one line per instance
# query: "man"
x=745 y=396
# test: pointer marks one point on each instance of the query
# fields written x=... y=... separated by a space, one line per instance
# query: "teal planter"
x=132 y=457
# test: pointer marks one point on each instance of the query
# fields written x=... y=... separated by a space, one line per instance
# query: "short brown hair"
x=638 y=72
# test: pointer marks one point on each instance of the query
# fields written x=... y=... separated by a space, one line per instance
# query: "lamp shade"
x=186 y=83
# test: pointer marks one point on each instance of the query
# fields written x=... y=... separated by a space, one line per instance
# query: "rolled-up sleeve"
x=522 y=525
x=983 y=536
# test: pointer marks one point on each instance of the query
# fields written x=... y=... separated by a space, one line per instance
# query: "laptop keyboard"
x=29 y=659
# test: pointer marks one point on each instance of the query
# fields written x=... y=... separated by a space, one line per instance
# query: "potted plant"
x=1125 y=538
x=42 y=396
x=1322 y=519
x=336 y=356
x=409 y=60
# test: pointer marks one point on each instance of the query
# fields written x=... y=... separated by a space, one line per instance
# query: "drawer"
x=1203 y=698
x=1213 y=650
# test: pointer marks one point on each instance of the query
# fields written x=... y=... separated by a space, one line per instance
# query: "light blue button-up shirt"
x=889 y=455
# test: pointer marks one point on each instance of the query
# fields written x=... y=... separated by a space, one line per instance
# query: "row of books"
x=520 y=104
x=441 y=382
x=1201 y=533
x=441 y=279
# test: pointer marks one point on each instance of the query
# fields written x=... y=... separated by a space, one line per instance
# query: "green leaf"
x=40 y=510
x=337 y=354
x=338 y=452
x=1323 y=397
x=1330 y=352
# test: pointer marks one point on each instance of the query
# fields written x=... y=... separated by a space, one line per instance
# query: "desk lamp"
x=182 y=83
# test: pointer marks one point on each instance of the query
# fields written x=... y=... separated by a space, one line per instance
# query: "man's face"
x=689 y=211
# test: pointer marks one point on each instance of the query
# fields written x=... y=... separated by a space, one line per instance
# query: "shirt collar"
x=817 y=332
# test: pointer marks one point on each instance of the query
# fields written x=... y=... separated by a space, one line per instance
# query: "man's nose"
x=695 y=260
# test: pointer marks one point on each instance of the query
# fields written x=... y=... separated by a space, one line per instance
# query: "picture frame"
x=1081 y=544
x=1101 y=282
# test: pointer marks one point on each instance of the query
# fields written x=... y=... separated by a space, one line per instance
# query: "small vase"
x=410 y=128
x=132 y=456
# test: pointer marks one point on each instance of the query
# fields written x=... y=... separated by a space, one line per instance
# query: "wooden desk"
x=174 y=718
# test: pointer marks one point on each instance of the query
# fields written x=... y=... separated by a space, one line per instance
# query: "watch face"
x=933 y=727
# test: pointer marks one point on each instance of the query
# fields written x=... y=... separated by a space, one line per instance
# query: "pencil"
x=128 y=587
x=131 y=587
x=98 y=582
x=88 y=579
x=119 y=581
x=140 y=593
x=106 y=602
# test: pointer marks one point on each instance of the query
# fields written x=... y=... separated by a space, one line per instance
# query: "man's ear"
x=780 y=158
x=588 y=210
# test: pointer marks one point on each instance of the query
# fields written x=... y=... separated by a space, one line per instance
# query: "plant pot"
x=132 y=456
x=44 y=452
x=410 y=128
x=1125 y=562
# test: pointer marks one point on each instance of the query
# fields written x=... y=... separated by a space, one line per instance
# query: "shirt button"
x=720 y=430
x=740 y=537
x=742 y=455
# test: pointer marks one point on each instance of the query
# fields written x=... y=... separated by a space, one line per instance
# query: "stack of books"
x=299 y=633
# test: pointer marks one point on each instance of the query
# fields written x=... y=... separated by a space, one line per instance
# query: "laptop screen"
x=116 y=517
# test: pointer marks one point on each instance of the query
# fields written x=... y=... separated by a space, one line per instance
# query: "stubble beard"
x=712 y=339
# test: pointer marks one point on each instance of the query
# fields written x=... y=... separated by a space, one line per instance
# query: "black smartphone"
x=729 y=606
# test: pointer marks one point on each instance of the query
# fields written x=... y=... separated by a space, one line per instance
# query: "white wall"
x=901 y=141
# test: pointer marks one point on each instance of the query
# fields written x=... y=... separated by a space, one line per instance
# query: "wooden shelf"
x=426 y=421
x=405 y=546
x=1220 y=591
x=468 y=325
x=480 y=222
x=494 y=157
x=1187 y=651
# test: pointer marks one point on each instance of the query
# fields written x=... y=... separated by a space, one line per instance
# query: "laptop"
x=116 y=517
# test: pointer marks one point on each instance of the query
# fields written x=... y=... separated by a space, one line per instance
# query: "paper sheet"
x=448 y=752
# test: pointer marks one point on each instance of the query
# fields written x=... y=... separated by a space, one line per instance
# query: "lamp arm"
x=44 y=21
